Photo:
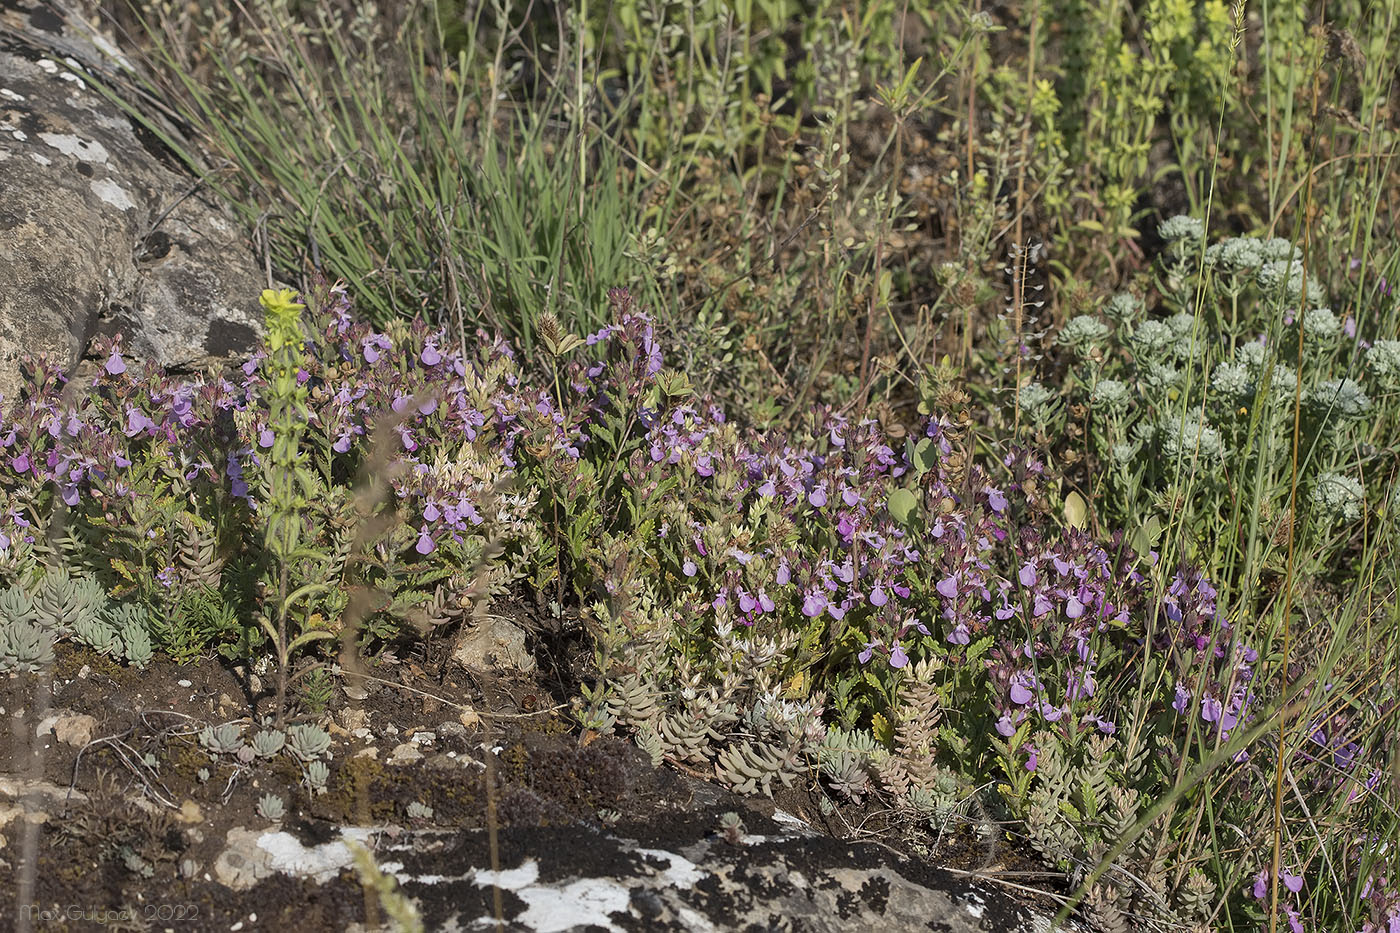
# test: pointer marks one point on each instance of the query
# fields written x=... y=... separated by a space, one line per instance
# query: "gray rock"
x=578 y=878
x=495 y=643
x=101 y=230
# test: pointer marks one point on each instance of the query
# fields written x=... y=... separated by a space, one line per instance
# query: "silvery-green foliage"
x=25 y=646
x=419 y=811
x=1160 y=378
x=1340 y=399
x=271 y=807
x=1320 y=327
x=1084 y=333
x=1111 y=397
x=1035 y=399
x=1154 y=341
x=845 y=760
x=1252 y=354
x=1181 y=228
x=97 y=633
x=225 y=739
x=1279 y=249
x=317 y=774
x=1283 y=385
x=1383 y=362
x=246 y=755
x=307 y=741
x=64 y=600
x=1233 y=382
x=132 y=627
x=202 y=775
x=1337 y=498
x=1235 y=256
x=1282 y=278
x=137 y=642
x=1182 y=325
x=748 y=767
x=268 y=742
x=1190 y=439
x=731 y=827
x=1123 y=454
x=1124 y=308
x=16 y=606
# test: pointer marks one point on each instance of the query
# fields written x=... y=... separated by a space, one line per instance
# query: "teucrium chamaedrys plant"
x=288 y=483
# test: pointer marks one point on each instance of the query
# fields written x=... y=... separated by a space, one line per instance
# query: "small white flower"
x=1337 y=497
x=1342 y=398
x=1084 y=332
x=1123 y=307
x=1035 y=399
x=1111 y=396
x=1233 y=382
x=1383 y=362
x=1181 y=227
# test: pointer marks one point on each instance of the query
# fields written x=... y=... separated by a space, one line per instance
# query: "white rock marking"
x=113 y=193
x=68 y=144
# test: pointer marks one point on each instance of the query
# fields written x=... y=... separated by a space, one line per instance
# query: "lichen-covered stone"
x=101 y=231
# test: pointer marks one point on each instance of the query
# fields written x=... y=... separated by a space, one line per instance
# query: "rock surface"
x=101 y=231
x=579 y=879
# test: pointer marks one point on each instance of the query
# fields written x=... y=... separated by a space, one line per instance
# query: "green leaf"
x=1076 y=511
x=925 y=456
x=902 y=505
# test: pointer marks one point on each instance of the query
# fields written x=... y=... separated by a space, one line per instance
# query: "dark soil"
x=110 y=855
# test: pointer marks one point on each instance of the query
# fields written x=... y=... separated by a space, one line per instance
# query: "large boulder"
x=101 y=229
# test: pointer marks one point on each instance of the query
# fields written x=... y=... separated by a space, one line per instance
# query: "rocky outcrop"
x=683 y=877
x=100 y=228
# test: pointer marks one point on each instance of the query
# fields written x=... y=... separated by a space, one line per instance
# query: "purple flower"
x=265 y=437
x=1074 y=608
x=897 y=656
x=1261 y=886
x=1019 y=694
x=688 y=568
x=878 y=597
x=996 y=499
x=1292 y=882
x=21 y=463
x=1183 y=699
x=865 y=655
x=948 y=586
x=813 y=604
x=430 y=355
x=425 y=542
x=1027 y=574
x=960 y=635
x=1005 y=727
x=114 y=364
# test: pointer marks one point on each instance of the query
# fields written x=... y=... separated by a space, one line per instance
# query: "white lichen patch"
x=47 y=65
x=320 y=863
x=681 y=872
x=10 y=95
x=549 y=909
x=40 y=158
x=112 y=193
x=19 y=134
x=68 y=144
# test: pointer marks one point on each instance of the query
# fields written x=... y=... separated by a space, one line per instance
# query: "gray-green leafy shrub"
x=269 y=742
x=225 y=739
x=307 y=741
x=317 y=774
x=271 y=807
